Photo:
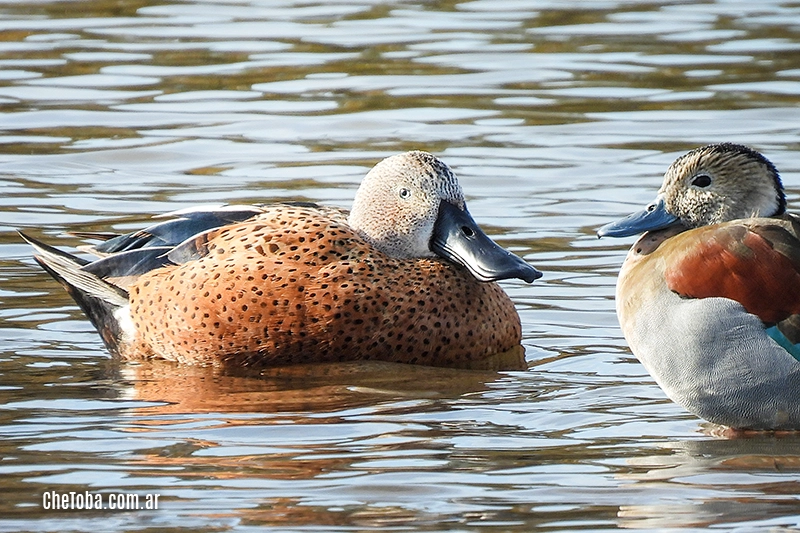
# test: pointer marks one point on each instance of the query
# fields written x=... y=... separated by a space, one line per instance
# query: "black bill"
x=457 y=237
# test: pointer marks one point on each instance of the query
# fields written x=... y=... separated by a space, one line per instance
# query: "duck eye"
x=701 y=180
x=405 y=193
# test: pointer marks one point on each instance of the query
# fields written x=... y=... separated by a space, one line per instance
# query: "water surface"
x=557 y=116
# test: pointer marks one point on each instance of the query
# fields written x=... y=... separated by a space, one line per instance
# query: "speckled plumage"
x=290 y=286
x=427 y=181
x=285 y=284
x=731 y=195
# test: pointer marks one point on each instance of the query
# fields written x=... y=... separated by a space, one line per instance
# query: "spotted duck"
x=407 y=277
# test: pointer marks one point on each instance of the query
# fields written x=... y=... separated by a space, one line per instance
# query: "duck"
x=708 y=298
x=406 y=276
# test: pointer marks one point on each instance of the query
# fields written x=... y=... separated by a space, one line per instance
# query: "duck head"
x=411 y=205
x=709 y=185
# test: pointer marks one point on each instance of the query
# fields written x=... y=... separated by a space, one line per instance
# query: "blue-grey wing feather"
x=175 y=231
x=129 y=263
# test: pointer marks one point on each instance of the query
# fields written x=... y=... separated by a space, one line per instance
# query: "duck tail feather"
x=99 y=299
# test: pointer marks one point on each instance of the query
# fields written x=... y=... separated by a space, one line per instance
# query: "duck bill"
x=653 y=217
x=457 y=237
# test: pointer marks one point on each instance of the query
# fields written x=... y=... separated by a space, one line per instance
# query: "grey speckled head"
x=397 y=204
x=722 y=182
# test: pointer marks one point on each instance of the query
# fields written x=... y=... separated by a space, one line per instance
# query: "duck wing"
x=755 y=262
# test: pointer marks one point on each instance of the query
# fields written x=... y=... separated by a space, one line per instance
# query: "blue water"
x=557 y=116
